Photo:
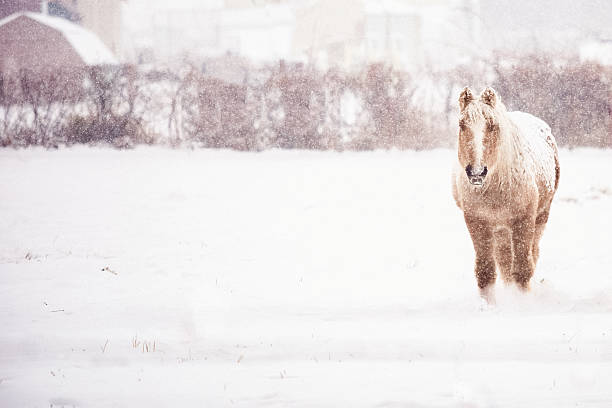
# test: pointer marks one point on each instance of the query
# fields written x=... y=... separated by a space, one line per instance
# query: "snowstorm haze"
x=506 y=25
x=549 y=24
x=305 y=204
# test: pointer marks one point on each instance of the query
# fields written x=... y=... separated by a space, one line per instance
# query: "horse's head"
x=478 y=133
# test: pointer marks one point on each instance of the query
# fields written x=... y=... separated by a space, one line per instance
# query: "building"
x=104 y=19
x=40 y=42
x=101 y=17
x=409 y=34
x=262 y=33
x=163 y=31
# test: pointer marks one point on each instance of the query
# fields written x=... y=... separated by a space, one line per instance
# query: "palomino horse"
x=504 y=181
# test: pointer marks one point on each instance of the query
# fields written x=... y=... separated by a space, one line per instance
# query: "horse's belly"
x=499 y=206
x=494 y=214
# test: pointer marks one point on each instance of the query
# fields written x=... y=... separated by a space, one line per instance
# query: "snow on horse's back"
x=540 y=143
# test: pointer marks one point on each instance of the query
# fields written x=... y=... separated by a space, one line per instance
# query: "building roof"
x=86 y=44
x=326 y=22
x=264 y=16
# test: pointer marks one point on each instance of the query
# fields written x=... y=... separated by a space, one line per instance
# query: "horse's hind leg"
x=503 y=253
x=540 y=223
x=482 y=238
x=523 y=231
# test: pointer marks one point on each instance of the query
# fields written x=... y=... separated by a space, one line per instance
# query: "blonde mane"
x=477 y=109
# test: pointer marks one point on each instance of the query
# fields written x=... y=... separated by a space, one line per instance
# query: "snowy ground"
x=158 y=278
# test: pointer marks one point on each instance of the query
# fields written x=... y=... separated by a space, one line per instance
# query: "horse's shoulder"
x=532 y=128
x=529 y=124
x=541 y=144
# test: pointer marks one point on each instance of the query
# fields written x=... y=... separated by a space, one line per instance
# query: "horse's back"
x=540 y=145
x=532 y=126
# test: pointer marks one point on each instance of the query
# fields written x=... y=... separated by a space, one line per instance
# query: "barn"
x=41 y=43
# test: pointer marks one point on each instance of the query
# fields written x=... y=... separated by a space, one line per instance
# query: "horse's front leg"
x=481 y=232
x=523 y=265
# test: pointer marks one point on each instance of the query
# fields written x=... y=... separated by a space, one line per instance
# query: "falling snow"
x=247 y=203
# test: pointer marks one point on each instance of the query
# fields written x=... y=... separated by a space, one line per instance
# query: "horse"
x=504 y=181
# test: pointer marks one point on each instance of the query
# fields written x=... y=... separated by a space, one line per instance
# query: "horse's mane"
x=476 y=109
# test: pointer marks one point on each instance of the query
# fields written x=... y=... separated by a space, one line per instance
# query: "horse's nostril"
x=480 y=171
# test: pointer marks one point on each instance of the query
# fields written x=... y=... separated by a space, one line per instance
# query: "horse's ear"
x=465 y=97
x=489 y=96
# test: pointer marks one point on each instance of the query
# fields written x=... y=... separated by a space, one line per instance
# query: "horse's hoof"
x=488 y=294
x=523 y=284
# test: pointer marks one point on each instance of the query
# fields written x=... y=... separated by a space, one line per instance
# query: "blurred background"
x=333 y=74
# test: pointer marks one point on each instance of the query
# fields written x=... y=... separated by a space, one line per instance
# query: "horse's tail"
x=557 y=168
x=553 y=144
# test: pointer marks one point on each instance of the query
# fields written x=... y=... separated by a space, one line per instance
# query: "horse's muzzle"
x=476 y=175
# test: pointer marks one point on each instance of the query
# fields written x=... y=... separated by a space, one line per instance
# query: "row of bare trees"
x=292 y=105
x=575 y=98
x=295 y=106
x=73 y=106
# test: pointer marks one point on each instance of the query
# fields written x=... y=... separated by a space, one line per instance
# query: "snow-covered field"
x=177 y=278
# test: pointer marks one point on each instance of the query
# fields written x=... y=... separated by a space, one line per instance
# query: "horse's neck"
x=510 y=154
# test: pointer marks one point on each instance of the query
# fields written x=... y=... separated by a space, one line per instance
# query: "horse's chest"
x=494 y=204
